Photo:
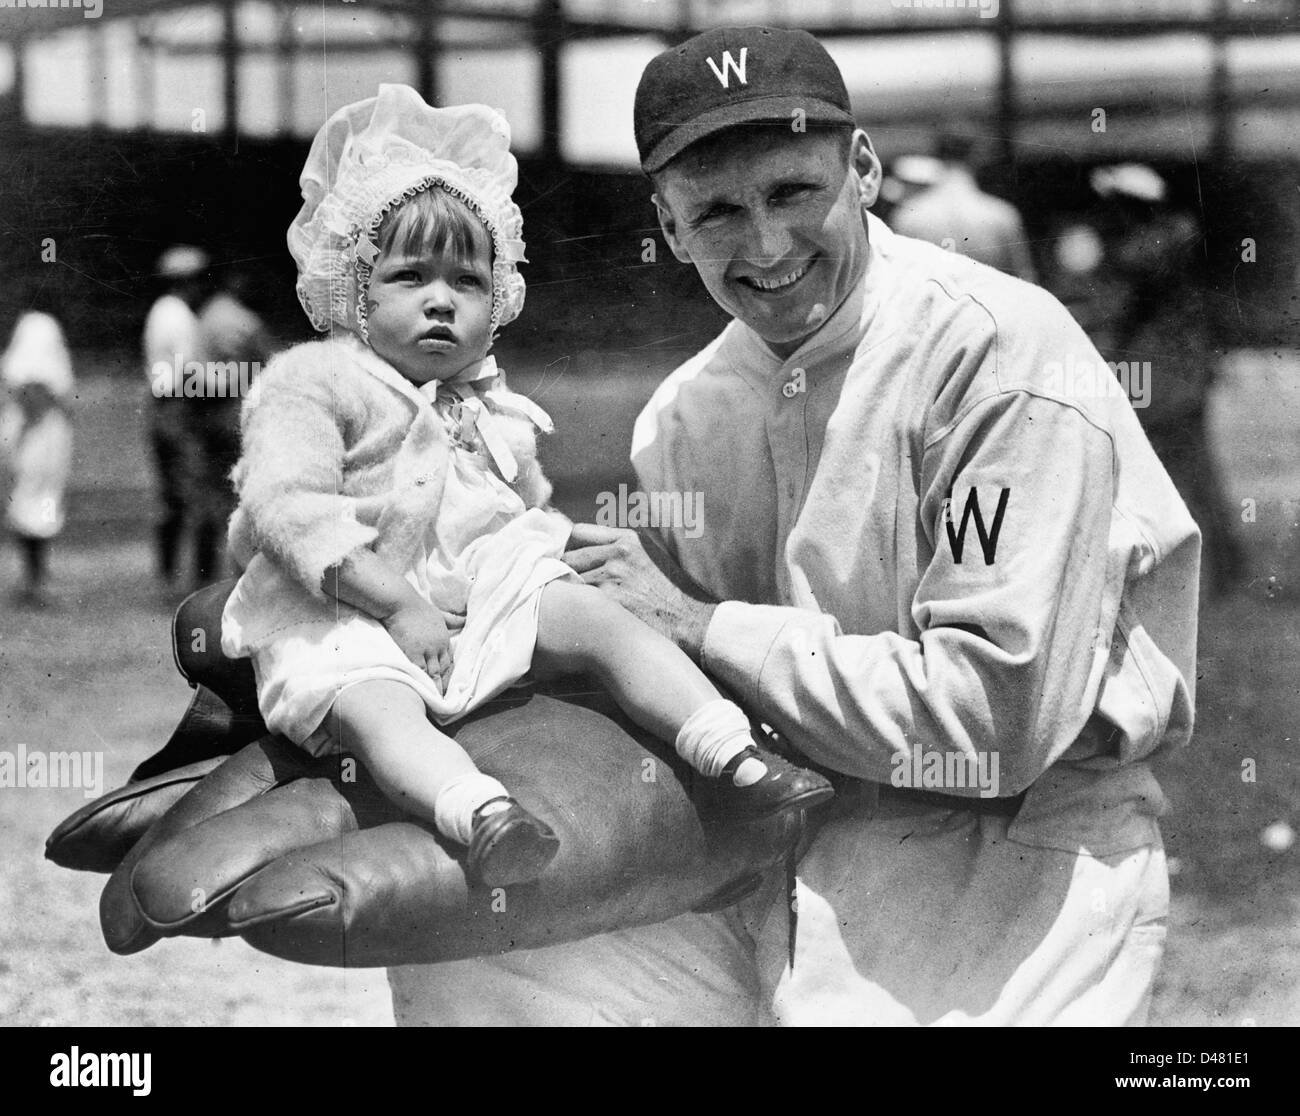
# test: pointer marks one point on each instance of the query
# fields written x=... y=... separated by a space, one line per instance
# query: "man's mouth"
x=777 y=284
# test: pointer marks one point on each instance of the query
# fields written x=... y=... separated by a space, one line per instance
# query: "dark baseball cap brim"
x=760 y=110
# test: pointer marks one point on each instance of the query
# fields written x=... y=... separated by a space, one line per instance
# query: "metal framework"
x=546 y=25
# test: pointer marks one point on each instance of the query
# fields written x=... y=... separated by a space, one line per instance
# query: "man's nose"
x=770 y=240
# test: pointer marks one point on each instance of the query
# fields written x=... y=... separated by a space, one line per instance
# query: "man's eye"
x=713 y=214
x=793 y=191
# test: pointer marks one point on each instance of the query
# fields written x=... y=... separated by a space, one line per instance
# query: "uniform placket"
x=787 y=436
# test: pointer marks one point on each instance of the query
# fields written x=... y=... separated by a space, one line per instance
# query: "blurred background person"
x=907 y=176
x=1165 y=318
x=171 y=340
x=1074 y=273
x=955 y=213
x=234 y=343
x=36 y=439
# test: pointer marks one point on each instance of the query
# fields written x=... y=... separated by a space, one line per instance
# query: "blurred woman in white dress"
x=36 y=442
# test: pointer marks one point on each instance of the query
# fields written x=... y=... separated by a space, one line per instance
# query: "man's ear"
x=864 y=160
x=668 y=223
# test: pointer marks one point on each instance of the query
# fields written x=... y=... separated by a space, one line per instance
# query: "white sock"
x=714 y=735
x=453 y=809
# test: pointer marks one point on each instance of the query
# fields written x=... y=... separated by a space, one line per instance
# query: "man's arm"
x=1005 y=656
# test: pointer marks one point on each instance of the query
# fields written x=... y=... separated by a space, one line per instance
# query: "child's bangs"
x=437 y=222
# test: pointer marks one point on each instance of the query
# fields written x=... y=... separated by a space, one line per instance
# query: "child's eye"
x=469 y=279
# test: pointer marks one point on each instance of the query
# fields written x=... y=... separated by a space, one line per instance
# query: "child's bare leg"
x=426 y=772
x=385 y=724
x=582 y=631
x=416 y=766
x=579 y=630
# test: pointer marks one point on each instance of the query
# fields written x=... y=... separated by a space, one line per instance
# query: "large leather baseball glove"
x=305 y=859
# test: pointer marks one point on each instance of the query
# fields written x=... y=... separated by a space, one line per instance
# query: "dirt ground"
x=95 y=672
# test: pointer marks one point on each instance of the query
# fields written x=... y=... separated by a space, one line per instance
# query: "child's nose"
x=437 y=296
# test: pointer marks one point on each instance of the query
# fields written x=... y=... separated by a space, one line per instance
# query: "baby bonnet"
x=372 y=155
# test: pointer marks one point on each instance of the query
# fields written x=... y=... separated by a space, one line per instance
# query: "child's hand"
x=420 y=631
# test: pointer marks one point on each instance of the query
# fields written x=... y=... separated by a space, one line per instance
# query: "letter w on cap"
x=723 y=74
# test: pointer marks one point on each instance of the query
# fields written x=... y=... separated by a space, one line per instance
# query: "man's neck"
x=782 y=349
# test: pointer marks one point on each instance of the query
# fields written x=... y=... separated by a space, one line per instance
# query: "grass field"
x=95 y=672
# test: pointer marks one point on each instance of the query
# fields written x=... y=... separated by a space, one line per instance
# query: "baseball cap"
x=730 y=76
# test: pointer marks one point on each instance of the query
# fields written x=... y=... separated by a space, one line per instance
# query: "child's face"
x=429 y=314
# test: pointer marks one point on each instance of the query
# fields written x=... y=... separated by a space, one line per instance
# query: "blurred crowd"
x=202 y=346
x=1127 y=268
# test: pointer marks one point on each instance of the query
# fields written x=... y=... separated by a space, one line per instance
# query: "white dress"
x=485 y=555
x=39 y=450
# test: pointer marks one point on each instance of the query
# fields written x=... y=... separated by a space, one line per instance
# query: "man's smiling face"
x=773 y=222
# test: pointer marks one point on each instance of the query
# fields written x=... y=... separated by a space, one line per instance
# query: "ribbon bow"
x=464 y=388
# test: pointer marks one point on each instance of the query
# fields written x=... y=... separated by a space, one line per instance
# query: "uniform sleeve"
x=295 y=427
x=1002 y=656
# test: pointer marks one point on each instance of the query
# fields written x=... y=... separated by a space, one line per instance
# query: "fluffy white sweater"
x=340 y=452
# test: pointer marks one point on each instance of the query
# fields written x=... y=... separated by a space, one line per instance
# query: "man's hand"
x=421 y=632
x=636 y=572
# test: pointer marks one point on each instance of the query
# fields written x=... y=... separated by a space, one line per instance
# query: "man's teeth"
x=777 y=284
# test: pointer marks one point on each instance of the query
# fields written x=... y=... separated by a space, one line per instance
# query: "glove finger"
x=247 y=774
x=330 y=904
x=182 y=883
x=101 y=833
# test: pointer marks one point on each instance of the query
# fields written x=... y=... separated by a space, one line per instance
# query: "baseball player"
x=938 y=556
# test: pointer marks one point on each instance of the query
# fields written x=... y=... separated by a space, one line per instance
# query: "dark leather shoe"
x=785 y=788
x=509 y=846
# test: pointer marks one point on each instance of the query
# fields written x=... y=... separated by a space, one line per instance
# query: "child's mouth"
x=439 y=342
